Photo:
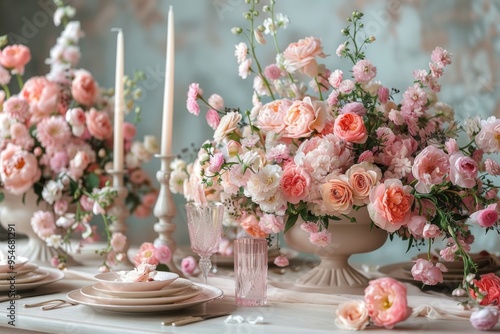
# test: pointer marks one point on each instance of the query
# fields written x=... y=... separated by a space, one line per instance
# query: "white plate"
x=54 y=276
x=112 y=281
x=209 y=293
x=97 y=296
x=33 y=276
x=399 y=271
x=26 y=268
x=176 y=286
x=18 y=262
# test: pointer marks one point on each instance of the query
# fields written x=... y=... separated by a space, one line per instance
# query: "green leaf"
x=91 y=182
x=162 y=267
x=292 y=219
x=2 y=196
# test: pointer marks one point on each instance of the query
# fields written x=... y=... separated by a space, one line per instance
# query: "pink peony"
x=390 y=205
x=304 y=117
x=295 y=183
x=42 y=95
x=336 y=78
x=43 y=224
x=99 y=124
x=486 y=217
x=84 y=88
x=430 y=167
x=351 y=128
x=188 y=265
x=386 y=301
x=301 y=56
x=271 y=116
x=425 y=271
x=15 y=57
x=281 y=261
x=463 y=170
x=19 y=169
x=364 y=71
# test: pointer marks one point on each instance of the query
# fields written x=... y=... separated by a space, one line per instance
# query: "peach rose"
x=386 y=301
x=42 y=96
x=99 y=124
x=15 y=57
x=19 y=169
x=362 y=178
x=271 y=116
x=302 y=56
x=228 y=124
x=304 y=117
x=84 y=88
x=295 y=183
x=351 y=128
x=337 y=195
x=251 y=226
x=489 y=287
x=352 y=315
x=390 y=205
x=430 y=167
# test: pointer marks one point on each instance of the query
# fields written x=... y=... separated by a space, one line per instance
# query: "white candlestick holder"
x=120 y=213
x=165 y=210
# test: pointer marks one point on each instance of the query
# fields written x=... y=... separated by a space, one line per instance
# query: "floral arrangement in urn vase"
x=319 y=145
x=56 y=144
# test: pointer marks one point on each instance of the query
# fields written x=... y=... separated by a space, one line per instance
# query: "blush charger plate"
x=112 y=281
x=54 y=275
x=22 y=270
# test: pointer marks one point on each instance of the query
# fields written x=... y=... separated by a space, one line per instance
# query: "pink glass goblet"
x=205 y=228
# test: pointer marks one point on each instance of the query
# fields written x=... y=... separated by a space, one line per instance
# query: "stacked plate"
x=22 y=275
x=166 y=292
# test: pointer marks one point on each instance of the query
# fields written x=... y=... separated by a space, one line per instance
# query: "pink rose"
x=129 y=131
x=42 y=96
x=425 y=271
x=390 y=205
x=486 y=217
x=227 y=125
x=15 y=57
x=484 y=318
x=295 y=183
x=362 y=178
x=463 y=170
x=430 y=167
x=302 y=56
x=83 y=88
x=271 y=116
x=251 y=226
x=486 y=139
x=351 y=128
x=489 y=289
x=233 y=148
x=118 y=242
x=281 y=261
x=99 y=124
x=87 y=203
x=416 y=225
x=188 y=265
x=352 y=315
x=386 y=301
x=431 y=231
x=19 y=169
x=304 y=117
x=337 y=195
x=163 y=254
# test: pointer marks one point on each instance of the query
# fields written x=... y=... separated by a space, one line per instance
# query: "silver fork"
x=51 y=304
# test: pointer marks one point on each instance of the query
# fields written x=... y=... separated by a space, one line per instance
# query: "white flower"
x=54 y=240
x=151 y=144
x=72 y=33
x=240 y=52
x=52 y=191
x=282 y=20
x=177 y=164
x=228 y=124
x=216 y=101
x=177 y=178
x=270 y=27
x=352 y=315
x=66 y=221
x=472 y=125
x=139 y=150
x=263 y=183
x=244 y=68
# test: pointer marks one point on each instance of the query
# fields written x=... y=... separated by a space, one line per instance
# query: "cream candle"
x=119 y=104
x=168 y=97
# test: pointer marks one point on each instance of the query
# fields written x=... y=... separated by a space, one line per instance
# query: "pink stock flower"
x=189 y=266
x=486 y=217
x=281 y=261
x=301 y=56
x=336 y=78
x=364 y=71
x=84 y=88
x=295 y=183
x=383 y=94
x=192 y=96
x=19 y=169
x=492 y=167
x=15 y=57
x=309 y=227
x=463 y=170
x=216 y=162
x=428 y=273
x=270 y=223
x=351 y=128
x=213 y=119
x=118 y=242
x=99 y=124
x=321 y=238
x=441 y=57
x=430 y=167
x=386 y=301
x=390 y=205
x=43 y=224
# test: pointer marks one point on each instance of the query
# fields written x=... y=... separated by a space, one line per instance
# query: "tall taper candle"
x=168 y=97
x=119 y=104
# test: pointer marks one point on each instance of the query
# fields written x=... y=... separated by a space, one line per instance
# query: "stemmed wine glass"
x=205 y=229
